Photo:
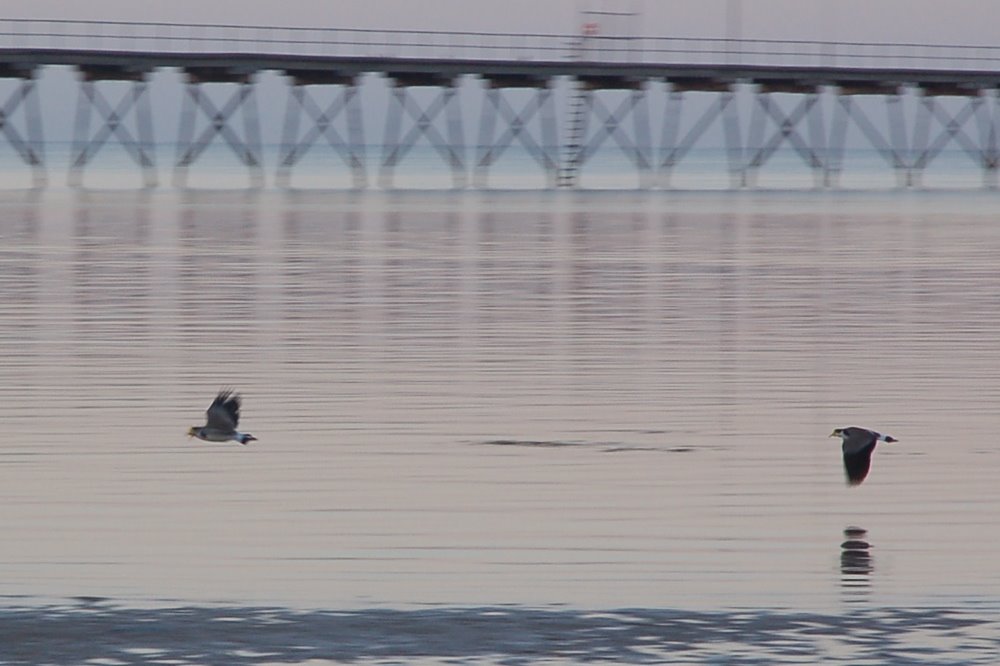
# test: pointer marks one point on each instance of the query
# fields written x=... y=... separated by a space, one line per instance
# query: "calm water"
x=507 y=427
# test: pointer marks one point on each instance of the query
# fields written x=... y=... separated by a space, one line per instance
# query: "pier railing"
x=177 y=38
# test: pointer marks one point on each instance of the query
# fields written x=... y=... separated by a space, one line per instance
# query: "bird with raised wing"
x=858 y=445
x=223 y=415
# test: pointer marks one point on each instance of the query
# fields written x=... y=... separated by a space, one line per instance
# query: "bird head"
x=192 y=431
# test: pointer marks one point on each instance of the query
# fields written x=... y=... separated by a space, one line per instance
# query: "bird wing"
x=857 y=464
x=858 y=439
x=224 y=412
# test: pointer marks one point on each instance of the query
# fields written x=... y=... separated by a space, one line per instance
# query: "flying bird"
x=858 y=445
x=223 y=417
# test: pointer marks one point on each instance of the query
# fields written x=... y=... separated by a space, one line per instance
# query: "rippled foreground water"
x=499 y=428
x=249 y=635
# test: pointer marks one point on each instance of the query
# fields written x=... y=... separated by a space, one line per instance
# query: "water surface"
x=569 y=402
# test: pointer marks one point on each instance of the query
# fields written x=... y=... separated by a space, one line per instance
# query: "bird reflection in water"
x=856 y=563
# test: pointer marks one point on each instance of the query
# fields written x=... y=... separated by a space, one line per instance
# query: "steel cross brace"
x=546 y=154
x=611 y=121
x=246 y=148
x=673 y=151
x=952 y=130
x=29 y=147
x=294 y=148
x=87 y=145
x=423 y=125
x=894 y=153
x=786 y=131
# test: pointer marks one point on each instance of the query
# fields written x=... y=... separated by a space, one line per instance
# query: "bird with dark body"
x=858 y=445
x=223 y=415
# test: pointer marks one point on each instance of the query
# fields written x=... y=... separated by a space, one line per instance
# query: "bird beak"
x=835 y=433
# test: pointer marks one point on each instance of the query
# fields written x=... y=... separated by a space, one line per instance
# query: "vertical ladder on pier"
x=576 y=129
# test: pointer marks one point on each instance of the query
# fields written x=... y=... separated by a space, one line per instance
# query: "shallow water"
x=558 y=403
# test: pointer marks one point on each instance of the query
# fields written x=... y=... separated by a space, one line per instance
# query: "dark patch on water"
x=532 y=443
x=620 y=449
x=606 y=447
x=508 y=635
x=90 y=601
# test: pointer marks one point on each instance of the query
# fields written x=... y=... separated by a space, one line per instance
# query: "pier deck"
x=564 y=139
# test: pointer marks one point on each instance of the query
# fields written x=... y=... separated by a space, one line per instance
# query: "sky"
x=919 y=21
